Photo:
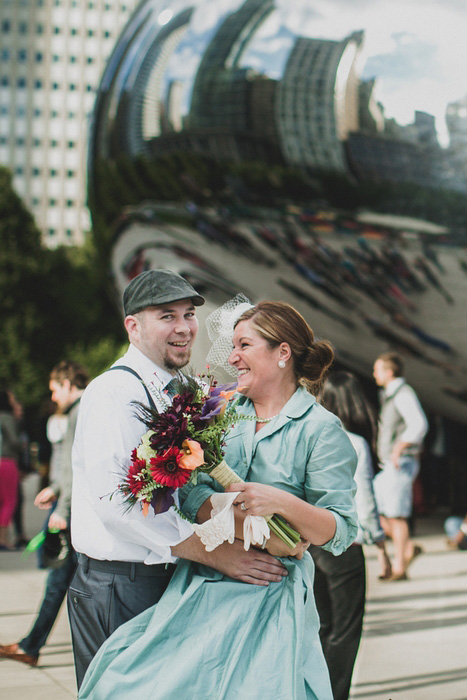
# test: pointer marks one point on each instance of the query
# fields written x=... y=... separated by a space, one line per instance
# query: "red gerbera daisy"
x=135 y=480
x=167 y=471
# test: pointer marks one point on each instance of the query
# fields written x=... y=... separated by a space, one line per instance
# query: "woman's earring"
x=281 y=364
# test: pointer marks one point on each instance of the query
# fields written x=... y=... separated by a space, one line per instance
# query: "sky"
x=416 y=49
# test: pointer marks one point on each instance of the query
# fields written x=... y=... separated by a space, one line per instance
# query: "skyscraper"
x=52 y=54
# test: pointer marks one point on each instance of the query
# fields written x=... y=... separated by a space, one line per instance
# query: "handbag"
x=56 y=549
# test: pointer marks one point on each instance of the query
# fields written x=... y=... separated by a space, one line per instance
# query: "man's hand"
x=56 y=522
x=397 y=452
x=277 y=548
x=253 y=566
x=45 y=498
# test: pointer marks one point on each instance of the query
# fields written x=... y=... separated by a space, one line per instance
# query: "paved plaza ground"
x=413 y=647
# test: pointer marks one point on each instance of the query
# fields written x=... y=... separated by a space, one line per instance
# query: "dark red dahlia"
x=167 y=471
x=170 y=430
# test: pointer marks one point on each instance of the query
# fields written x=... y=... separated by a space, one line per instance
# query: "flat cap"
x=155 y=287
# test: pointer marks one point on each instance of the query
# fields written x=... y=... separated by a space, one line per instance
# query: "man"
x=67 y=383
x=402 y=427
x=126 y=560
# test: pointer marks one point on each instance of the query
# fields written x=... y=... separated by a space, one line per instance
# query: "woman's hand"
x=315 y=524
x=258 y=499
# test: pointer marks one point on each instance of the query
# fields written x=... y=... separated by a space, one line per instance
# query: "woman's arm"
x=326 y=515
x=365 y=501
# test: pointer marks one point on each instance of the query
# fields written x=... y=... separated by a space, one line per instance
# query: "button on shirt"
x=107 y=432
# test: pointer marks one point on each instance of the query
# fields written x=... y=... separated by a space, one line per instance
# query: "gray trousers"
x=103 y=595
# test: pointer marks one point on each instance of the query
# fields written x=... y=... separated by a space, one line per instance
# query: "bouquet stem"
x=226 y=476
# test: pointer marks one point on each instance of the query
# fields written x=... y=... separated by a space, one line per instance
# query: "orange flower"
x=193 y=455
x=145 y=508
x=227 y=394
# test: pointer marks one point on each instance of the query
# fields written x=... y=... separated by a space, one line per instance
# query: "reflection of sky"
x=415 y=48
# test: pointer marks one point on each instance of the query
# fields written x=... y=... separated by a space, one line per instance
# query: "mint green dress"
x=213 y=638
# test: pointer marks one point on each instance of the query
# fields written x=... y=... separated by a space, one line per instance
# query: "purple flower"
x=215 y=391
x=162 y=500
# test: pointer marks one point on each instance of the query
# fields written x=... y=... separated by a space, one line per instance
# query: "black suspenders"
x=135 y=374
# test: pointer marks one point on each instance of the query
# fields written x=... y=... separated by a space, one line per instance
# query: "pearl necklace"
x=265 y=420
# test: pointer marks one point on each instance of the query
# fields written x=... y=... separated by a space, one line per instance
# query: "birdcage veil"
x=220 y=328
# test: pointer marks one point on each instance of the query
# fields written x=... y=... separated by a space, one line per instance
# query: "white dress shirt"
x=107 y=432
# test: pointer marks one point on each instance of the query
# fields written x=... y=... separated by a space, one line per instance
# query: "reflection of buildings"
x=406 y=154
x=231 y=114
x=221 y=88
x=51 y=60
x=138 y=95
x=456 y=120
x=317 y=115
x=383 y=159
x=317 y=102
x=151 y=93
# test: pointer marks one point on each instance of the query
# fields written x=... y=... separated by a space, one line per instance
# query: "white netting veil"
x=220 y=327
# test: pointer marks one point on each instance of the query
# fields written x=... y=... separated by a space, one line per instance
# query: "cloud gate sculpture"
x=232 y=144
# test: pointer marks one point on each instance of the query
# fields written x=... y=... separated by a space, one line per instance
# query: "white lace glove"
x=221 y=526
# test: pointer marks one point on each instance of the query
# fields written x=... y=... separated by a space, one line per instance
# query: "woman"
x=217 y=638
x=9 y=473
x=340 y=581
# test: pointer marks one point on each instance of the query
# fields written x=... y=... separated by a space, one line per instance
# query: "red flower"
x=167 y=471
x=135 y=480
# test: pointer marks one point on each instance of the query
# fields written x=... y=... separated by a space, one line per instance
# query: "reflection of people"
x=402 y=427
x=340 y=581
x=67 y=382
x=126 y=559
x=9 y=473
x=210 y=636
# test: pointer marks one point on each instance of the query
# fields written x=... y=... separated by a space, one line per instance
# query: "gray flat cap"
x=155 y=287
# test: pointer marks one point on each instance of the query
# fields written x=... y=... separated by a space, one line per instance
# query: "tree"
x=54 y=304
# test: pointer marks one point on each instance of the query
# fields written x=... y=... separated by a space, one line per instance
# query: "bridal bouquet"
x=184 y=439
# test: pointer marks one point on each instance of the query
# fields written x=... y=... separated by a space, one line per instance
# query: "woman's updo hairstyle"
x=278 y=322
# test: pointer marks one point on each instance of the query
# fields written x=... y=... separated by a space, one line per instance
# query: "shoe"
x=385 y=577
x=417 y=550
x=13 y=651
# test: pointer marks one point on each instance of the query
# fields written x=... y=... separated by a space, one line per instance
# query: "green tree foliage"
x=54 y=304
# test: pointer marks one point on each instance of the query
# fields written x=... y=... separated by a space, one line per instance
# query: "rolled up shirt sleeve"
x=192 y=496
x=329 y=482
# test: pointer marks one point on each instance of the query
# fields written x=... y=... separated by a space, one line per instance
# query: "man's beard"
x=170 y=364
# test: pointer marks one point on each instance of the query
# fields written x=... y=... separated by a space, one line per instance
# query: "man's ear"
x=132 y=326
x=66 y=384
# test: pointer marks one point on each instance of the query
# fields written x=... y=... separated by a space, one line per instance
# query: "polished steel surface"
x=232 y=144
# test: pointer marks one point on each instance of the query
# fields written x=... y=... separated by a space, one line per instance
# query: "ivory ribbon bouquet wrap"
x=187 y=438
